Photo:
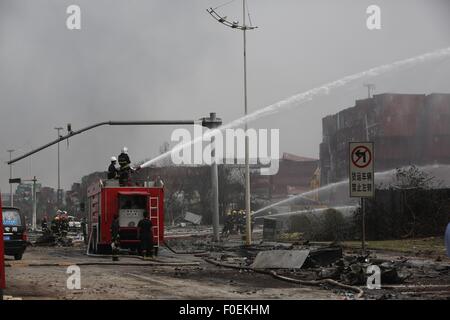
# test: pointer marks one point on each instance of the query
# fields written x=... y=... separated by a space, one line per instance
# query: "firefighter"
x=145 y=235
x=227 y=225
x=125 y=167
x=234 y=221
x=55 y=226
x=44 y=224
x=113 y=173
x=64 y=224
x=83 y=229
x=241 y=222
x=115 y=238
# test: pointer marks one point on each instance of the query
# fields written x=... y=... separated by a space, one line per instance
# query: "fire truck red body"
x=2 y=256
x=106 y=199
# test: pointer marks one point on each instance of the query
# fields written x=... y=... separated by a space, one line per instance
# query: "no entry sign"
x=361 y=170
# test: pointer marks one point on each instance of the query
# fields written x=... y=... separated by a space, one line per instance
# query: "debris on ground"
x=280 y=259
x=51 y=239
x=320 y=267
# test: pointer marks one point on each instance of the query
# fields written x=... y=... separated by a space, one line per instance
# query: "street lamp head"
x=224 y=21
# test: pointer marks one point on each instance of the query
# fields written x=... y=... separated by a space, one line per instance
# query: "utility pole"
x=248 y=230
x=59 y=193
x=33 y=198
x=211 y=123
x=11 y=196
x=363 y=213
x=34 y=204
x=244 y=28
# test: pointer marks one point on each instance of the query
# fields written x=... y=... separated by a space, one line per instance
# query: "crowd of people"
x=59 y=225
x=235 y=222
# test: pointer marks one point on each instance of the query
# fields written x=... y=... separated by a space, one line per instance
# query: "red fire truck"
x=107 y=199
x=2 y=256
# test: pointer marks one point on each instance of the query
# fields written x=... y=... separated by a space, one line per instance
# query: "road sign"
x=361 y=170
x=2 y=257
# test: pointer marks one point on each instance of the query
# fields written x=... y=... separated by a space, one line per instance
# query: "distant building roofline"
x=294 y=157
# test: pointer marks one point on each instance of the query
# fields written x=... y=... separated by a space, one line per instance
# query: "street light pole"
x=244 y=28
x=11 y=196
x=34 y=204
x=58 y=193
x=212 y=123
x=248 y=236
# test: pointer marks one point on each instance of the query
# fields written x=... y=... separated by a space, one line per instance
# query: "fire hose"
x=123 y=264
x=158 y=262
x=184 y=252
x=359 y=292
x=161 y=263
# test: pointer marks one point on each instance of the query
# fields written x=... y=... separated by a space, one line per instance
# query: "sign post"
x=362 y=177
x=2 y=256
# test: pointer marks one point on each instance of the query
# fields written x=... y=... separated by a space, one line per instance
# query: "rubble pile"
x=51 y=239
x=330 y=267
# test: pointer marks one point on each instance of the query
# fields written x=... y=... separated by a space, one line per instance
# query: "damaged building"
x=406 y=129
x=294 y=177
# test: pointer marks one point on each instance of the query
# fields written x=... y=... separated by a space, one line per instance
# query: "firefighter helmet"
x=125 y=150
x=113 y=159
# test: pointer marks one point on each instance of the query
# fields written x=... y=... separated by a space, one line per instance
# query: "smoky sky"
x=168 y=59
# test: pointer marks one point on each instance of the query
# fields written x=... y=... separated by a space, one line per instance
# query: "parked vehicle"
x=14 y=232
x=106 y=199
x=74 y=224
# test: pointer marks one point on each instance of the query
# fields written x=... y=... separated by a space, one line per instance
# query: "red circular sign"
x=361 y=157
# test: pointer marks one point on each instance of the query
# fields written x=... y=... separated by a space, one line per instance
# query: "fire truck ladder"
x=156 y=210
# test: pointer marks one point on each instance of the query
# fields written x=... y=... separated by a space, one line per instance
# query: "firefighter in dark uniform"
x=64 y=224
x=227 y=225
x=115 y=238
x=83 y=230
x=55 y=225
x=241 y=222
x=44 y=225
x=113 y=173
x=145 y=235
x=125 y=167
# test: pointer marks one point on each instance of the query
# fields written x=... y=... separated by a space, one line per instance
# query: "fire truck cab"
x=106 y=199
x=2 y=256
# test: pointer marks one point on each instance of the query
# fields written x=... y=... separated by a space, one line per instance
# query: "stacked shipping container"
x=406 y=128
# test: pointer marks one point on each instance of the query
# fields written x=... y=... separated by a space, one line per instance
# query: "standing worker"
x=227 y=224
x=83 y=229
x=125 y=168
x=113 y=173
x=55 y=225
x=145 y=235
x=44 y=224
x=115 y=238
